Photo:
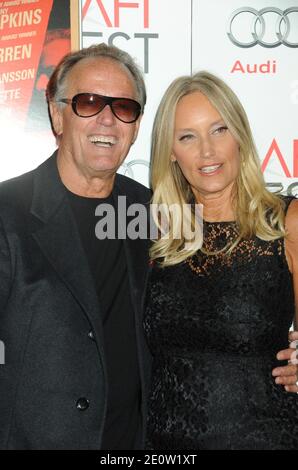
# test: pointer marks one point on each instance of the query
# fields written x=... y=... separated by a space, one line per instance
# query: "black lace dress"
x=214 y=325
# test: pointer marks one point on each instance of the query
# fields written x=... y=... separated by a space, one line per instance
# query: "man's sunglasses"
x=89 y=104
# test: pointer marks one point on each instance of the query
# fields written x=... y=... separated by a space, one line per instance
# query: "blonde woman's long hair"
x=257 y=211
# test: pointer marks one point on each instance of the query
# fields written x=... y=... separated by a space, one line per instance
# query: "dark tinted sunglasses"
x=89 y=104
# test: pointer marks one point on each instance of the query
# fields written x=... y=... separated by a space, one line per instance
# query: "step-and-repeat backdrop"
x=252 y=44
x=34 y=34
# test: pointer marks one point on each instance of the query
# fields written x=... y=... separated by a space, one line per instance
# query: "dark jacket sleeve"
x=5 y=270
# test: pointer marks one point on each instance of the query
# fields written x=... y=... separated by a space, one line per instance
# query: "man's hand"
x=288 y=375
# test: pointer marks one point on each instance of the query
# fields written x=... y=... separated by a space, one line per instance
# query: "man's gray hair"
x=56 y=88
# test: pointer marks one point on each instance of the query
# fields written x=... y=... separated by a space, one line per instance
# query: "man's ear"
x=56 y=118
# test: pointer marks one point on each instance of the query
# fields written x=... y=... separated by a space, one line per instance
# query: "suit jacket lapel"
x=136 y=252
x=59 y=240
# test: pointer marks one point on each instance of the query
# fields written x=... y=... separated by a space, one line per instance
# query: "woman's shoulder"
x=292 y=215
x=291 y=241
x=288 y=201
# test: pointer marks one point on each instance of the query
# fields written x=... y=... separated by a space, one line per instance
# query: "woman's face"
x=204 y=148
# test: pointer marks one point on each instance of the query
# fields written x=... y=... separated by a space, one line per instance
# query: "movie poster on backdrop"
x=34 y=35
x=158 y=35
x=253 y=45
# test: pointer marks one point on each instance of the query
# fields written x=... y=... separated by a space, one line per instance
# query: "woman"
x=218 y=312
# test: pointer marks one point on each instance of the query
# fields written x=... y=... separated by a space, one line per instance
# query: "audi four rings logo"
x=283 y=27
x=127 y=168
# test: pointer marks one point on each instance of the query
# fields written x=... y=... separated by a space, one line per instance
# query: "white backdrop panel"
x=265 y=78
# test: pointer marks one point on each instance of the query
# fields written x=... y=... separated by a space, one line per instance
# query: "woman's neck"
x=217 y=207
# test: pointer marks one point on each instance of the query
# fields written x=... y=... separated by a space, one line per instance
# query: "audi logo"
x=258 y=27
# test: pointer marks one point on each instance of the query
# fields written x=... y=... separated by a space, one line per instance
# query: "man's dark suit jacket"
x=50 y=320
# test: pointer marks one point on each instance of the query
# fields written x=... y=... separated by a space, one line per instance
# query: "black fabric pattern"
x=214 y=325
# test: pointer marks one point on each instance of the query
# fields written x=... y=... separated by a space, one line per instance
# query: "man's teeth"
x=209 y=169
x=102 y=140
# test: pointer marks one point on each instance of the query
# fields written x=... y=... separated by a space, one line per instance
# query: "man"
x=77 y=369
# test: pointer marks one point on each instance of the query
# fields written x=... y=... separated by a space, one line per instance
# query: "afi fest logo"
x=269 y=27
x=111 y=16
x=275 y=152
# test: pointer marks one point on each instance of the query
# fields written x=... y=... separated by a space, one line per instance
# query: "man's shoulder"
x=133 y=189
x=20 y=187
x=16 y=187
x=16 y=193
